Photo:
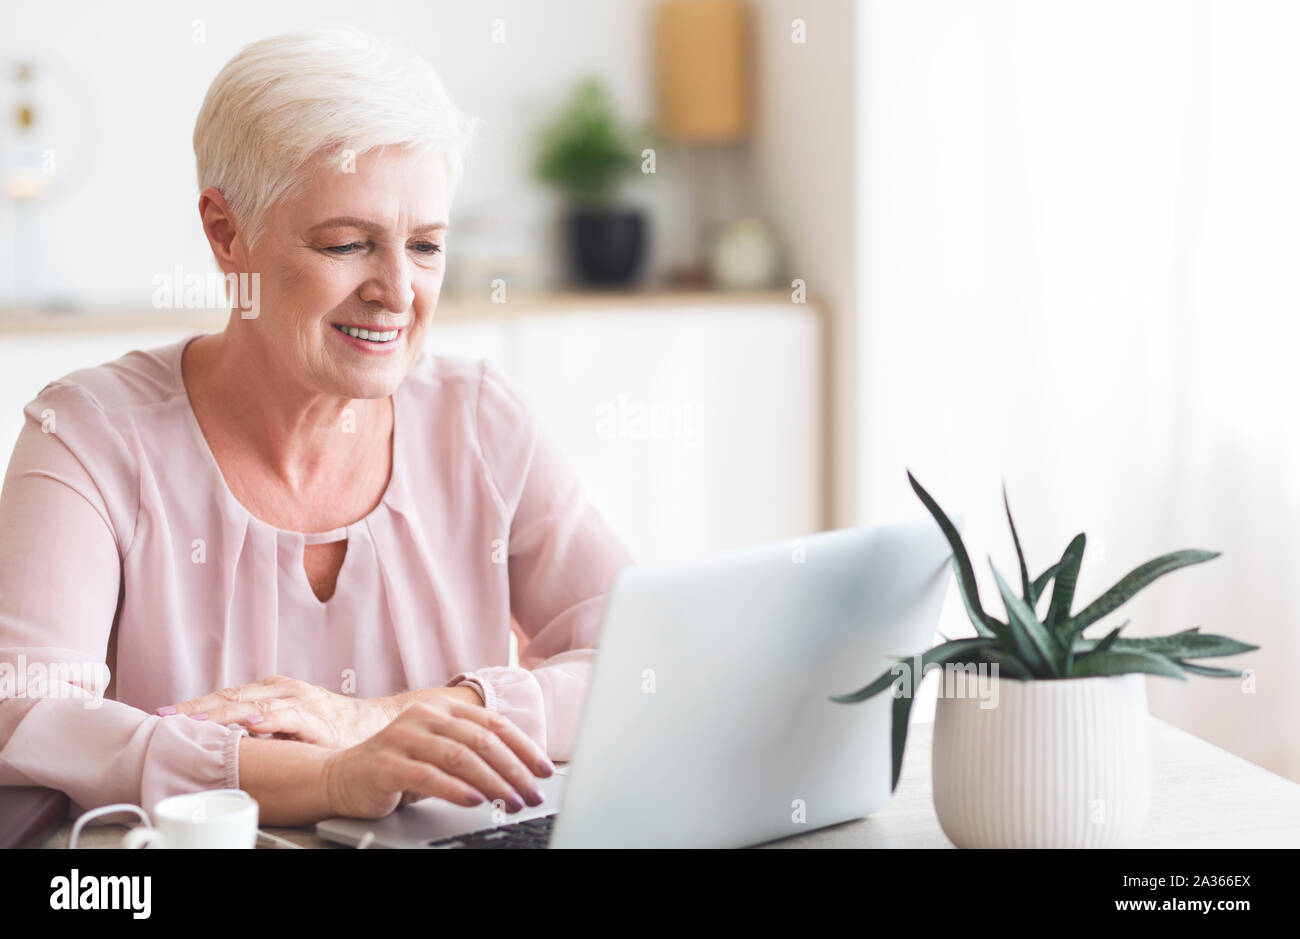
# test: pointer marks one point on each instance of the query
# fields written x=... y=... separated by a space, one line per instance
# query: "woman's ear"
x=222 y=230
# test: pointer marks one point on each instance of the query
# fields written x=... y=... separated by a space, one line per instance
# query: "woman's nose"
x=390 y=282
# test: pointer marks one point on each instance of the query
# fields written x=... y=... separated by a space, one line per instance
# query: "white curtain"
x=1079 y=234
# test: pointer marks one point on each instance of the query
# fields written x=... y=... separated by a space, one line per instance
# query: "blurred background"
x=755 y=259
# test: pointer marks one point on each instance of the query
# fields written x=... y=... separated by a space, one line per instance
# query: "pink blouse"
x=483 y=528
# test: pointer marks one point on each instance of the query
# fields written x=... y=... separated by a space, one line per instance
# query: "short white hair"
x=282 y=101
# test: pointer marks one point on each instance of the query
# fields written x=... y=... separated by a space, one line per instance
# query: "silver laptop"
x=707 y=723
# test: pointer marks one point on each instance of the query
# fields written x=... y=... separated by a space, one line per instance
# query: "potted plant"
x=1062 y=756
x=584 y=154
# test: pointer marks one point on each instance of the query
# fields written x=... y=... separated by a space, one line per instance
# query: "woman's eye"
x=425 y=247
x=345 y=249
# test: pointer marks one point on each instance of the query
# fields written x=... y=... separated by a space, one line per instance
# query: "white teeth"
x=371 y=335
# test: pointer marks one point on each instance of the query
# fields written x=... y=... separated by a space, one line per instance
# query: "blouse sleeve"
x=65 y=509
x=562 y=560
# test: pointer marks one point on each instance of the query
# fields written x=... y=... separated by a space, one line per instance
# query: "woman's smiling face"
x=354 y=250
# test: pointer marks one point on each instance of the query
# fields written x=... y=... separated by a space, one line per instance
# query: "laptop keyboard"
x=532 y=833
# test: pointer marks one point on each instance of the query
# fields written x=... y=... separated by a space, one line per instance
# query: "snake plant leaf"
x=953 y=650
x=944 y=652
x=902 y=709
x=1034 y=644
x=1105 y=642
x=985 y=625
x=1006 y=661
x=1131 y=583
x=1113 y=662
x=1063 y=587
x=1210 y=671
x=869 y=691
x=1185 y=645
x=1026 y=584
x=1040 y=582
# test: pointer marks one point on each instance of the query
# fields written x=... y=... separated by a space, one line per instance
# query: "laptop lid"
x=707 y=722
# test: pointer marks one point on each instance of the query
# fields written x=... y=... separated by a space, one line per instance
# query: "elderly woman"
x=299 y=543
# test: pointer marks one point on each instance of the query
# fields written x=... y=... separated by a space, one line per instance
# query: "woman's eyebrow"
x=352 y=221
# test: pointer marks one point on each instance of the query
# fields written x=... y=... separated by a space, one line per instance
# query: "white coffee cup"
x=213 y=818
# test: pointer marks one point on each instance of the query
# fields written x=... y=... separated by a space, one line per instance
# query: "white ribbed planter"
x=1056 y=764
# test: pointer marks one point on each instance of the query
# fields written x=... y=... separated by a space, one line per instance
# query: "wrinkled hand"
x=294 y=710
x=439 y=747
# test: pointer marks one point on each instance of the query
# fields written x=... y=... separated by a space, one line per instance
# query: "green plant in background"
x=584 y=151
x=1030 y=648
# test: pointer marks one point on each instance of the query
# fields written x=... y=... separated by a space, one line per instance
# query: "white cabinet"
x=694 y=427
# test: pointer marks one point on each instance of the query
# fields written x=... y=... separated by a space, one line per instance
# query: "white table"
x=1202 y=797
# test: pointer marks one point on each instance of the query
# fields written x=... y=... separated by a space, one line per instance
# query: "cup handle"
x=103 y=810
x=142 y=838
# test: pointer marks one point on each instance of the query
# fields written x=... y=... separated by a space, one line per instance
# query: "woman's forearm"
x=287 y=778
x=400 y=702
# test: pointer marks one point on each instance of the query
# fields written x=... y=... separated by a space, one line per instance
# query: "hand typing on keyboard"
x=441 y=747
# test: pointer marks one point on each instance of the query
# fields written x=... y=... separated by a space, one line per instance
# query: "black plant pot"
x=606 y=246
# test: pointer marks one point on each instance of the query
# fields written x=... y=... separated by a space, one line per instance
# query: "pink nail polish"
x=255 y=719
x=200 y=717
x=164 y=711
